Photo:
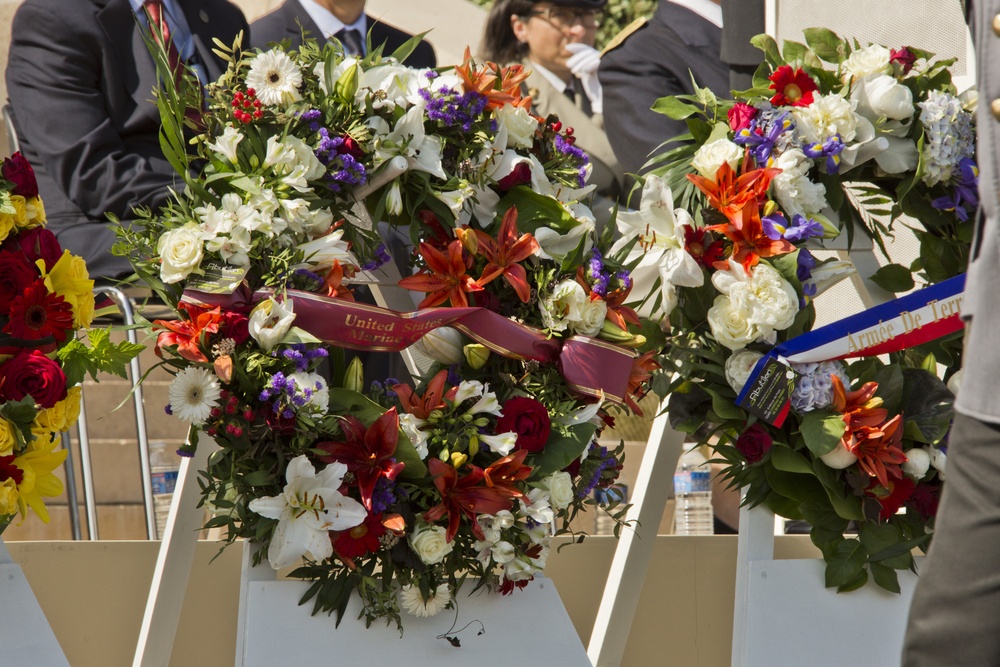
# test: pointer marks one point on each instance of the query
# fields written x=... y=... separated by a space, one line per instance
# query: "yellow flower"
x=7 y=438
x=35 y=210
x=72 y=402
x=60 y=417
x=39 y=482
x=6 y=225
x=20 y=211
x=70 y=280
x=8 y=497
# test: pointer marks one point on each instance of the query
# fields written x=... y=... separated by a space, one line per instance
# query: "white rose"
x=560 y=486
x=562 y=307
x=918 y=462
x=180 y=253
x=430 y=543
x=839 y=458
x=792 y=187
x=270 y=320
x=873 y=59
x=519 y=125
x=592 y=315
x=771 y=300
x=739 y=366
x=826 y=116
x=319 y=398
x=712 y=155
x=225 y=145
x=882 y=95
x=730 y=325
x=443 y=345
x=938 y=460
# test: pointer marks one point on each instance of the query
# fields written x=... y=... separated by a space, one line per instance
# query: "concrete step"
x=114 y=522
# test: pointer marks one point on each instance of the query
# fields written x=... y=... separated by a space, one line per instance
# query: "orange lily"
x=504 y=254
x=504 y=473
x=464 y=496
x=422 y=406
x=860 y=407
x=186 y=334
x=618 y=312
x=500 y=85
x=642 y=369
x=446 y=279
x=878 y=450
x=727 y=193
x=333 y=283
x=750 y=243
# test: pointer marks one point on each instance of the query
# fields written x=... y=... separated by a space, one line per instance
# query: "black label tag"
x=217 y=278
x=768 y=392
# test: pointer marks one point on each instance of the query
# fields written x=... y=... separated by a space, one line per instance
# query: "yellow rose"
x=52 y=419
x=70 y=280
x=7 y=437
x=35 y=210
x=6 y=225
x=72 y=402
x=8 y=497
x=20 y=210
x=43 y=437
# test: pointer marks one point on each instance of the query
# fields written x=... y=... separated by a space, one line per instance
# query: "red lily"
x=432 y=399
x=367 y=452
x=464 y=496
x=503 y=474
x=750 y=243
x=878 y=450
x=186 y=334
x=504 y=254
x=446 y=279
x=642 y=369
x=728 y=192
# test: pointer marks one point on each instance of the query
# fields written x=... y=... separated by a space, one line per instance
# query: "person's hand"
x=583 y=64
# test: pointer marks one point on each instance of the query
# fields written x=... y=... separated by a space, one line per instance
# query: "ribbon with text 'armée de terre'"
x=591 y=367
x=911 y=320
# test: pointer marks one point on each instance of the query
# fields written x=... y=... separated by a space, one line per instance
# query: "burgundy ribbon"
x=591 y=367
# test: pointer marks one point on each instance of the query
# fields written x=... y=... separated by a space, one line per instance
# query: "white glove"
x=583 y=64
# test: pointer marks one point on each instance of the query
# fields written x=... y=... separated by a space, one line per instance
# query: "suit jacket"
x=80 y=81
x=978 y=396
x=657 y=60
x=588 y=128
x=284 y=22
x=741 y=21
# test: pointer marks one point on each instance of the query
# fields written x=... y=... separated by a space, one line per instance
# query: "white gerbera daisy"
x=275 y=78
x=193 y=394
x=413 y=602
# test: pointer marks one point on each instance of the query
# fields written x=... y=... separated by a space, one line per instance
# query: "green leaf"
x=767 y=44
x=560 y=452
x=890 y=387
x=826 y=44
x=885 y=577
x=854 y=584
x=927 y=402
x=822 y=431
x=535 y=210
x=787 y=459
x=674 y=108
x=793 y=51
x=724 y=407
x=846 y=562
x=894 y=278
x=846 y=505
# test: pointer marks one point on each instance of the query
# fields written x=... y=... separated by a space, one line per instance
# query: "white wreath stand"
x=272 y=629
x=26 y=638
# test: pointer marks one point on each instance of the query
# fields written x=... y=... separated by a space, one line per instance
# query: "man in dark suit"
x=742 y=20
x=683 y=38
x=80 y=82
x=343 y=19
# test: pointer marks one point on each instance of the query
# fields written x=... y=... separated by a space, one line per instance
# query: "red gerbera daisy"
x=360 y=540
x=792 y=87
x=37 y=314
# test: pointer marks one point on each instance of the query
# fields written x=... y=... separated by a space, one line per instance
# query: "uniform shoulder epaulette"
x=620 y=38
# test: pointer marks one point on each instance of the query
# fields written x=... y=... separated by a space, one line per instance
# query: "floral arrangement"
x=46 y=296
x=401 y=490
x=830 y=133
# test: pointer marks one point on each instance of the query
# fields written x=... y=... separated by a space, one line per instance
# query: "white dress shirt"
x=708 y=10
x=330 y=25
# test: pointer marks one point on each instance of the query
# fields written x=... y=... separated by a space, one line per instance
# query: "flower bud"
x=473 y=446
x=443 y=345
x=477 y=355
x=354 y=377
x=458 y=459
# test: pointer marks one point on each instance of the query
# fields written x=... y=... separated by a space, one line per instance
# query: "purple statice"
x=454 y=109
x=302 y=356
x=761 y=136
x=304 y=279
x=567 y=148
x=384 y=496
x=829 y=149
x=389 y=384
x=285 y=395
x=814 y=386
x=596 y=275
x=381 y=257
x=312 y=117
x=802 y=228
x=604 y=461
x=964 y=196
x=341 y=166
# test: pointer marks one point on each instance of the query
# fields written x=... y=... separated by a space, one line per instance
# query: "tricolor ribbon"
x=591 y=367
x=911 y=320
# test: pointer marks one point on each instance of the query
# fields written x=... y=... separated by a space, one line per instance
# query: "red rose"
x=236 y=326
x=740 y=116
x=16 y=273
x=904 y=58
x=520 y=175
x=32 y=374
x=753 y=443
x=925 y=499
x=529 y=419
x=18 y=171
x=36 y=243
x=351 y=147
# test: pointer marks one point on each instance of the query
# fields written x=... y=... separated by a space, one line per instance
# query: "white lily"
x=308 y=508
x=225 y=145
x=270 y=320
x=501 y=443
x=322 y=252
x=407 y=138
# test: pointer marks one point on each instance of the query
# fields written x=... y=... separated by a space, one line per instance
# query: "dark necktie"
x=351 y=39
x=160 y=30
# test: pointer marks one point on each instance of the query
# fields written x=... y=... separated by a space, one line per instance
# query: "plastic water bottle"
x=164 y=464
x=693 y=494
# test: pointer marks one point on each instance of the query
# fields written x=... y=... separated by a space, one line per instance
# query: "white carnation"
x=792 y=187
x=827 y=116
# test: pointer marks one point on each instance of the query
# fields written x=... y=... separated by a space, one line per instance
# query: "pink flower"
x=904 y=58
x=740 y=116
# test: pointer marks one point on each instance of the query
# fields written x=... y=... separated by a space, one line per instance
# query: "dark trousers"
x=955 y=615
